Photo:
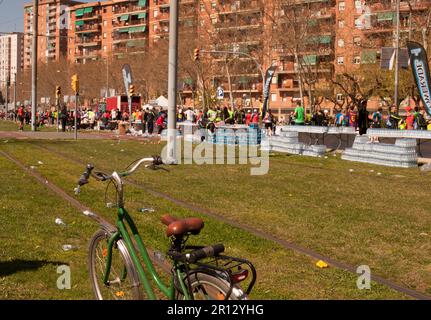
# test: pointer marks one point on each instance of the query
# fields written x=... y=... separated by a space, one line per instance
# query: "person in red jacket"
x=410 y=119
x=248 y=118
x=255 y=118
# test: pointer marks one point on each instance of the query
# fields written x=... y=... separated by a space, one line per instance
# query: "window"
x=341 y=6
x=105 y=23
x=341 y=43
x=358 y=4
x=156 y=13
x=340 y=97
x=357 y=41
x=340 y=60
x=341 y=24
x=104 y=35
x=202 y=7
x=105 y=48
x=357 y=60
x=359 y=24
x=273 y=97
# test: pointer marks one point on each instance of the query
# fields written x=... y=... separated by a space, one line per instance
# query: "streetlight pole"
x=14 y=94
x=397 y=51
x=7 y=92
x=171 y=156
x=34 y=65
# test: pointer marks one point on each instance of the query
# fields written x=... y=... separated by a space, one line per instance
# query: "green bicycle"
x=195 y=272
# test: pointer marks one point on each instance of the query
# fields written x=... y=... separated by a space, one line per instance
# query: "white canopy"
x=162 y=102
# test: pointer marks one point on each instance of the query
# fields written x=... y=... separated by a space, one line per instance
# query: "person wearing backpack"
x=377 y=118
x=421 y=120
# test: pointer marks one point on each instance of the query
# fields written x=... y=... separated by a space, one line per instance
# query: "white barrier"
x=395 y=133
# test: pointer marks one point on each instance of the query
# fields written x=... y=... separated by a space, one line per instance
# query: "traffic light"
x=132 y=90
x=57 y=91
x=75 y=83
x=196 y=54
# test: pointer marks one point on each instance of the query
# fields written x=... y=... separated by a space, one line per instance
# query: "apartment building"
x=310 y=41
x=11 y=59
x=109 y=29
x=53 y=30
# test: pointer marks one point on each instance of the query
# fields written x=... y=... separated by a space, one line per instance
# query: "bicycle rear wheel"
x=206 y=286
x=123 y=281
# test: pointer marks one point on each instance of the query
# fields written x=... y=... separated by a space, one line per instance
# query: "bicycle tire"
x=200 y=282
x=120 y=259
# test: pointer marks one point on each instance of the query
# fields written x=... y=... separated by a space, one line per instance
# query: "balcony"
x=88 y=54
x=162 y=3
x=124 y=24
x=122 y=37
x=162 y=17
x=88 y=13
x=93 y=28
x=387 y=5
x=240 y=7
x=130 y=8
x=88 y=42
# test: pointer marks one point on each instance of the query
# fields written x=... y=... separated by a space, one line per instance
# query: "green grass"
x=12 y=126
x=358 y=218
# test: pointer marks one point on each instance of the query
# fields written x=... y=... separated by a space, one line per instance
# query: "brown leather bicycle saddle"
x=180 y=227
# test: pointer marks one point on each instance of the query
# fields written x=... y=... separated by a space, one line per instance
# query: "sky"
x=12 y=15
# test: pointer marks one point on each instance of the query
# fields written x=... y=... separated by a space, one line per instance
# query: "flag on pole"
x=421 y=72
x=268 y=79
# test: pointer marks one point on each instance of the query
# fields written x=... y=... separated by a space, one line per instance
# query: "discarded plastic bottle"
x=59 y=222
x=159 y=257
x=69 y=247
x=110 y=205
x=146 y=210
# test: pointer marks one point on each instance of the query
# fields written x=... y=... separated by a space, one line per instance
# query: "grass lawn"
x=355 y=217
x=12 y=126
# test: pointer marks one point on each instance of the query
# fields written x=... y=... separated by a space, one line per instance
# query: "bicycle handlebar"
x=100 y=176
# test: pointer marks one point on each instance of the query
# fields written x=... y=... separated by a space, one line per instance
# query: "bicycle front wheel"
x=123 y=282
x=211 y=287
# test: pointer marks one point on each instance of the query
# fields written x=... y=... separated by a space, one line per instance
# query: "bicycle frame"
x=125 y=220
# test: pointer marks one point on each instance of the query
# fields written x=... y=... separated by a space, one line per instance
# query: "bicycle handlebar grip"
x=206 y=252
x=86 y=175
x=157 y=161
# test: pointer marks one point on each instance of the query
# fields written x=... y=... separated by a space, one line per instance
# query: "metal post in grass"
x=171 y=157
x=76 y=115
x=34 y=65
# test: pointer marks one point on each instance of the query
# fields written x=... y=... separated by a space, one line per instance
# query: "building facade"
x=53 y=33
x=11 y=60
x=310 y=41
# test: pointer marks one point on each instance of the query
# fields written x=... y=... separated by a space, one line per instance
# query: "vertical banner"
x=127 y=76
x=421 y=72
x=128 y=80
x=268 y=79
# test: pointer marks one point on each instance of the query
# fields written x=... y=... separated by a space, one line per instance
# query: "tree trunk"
x=229 y=82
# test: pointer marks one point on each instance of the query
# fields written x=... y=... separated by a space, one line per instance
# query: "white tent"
x=162 y=102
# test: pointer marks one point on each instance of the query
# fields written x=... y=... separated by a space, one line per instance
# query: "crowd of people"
x=153 y=120
x=360 y=118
